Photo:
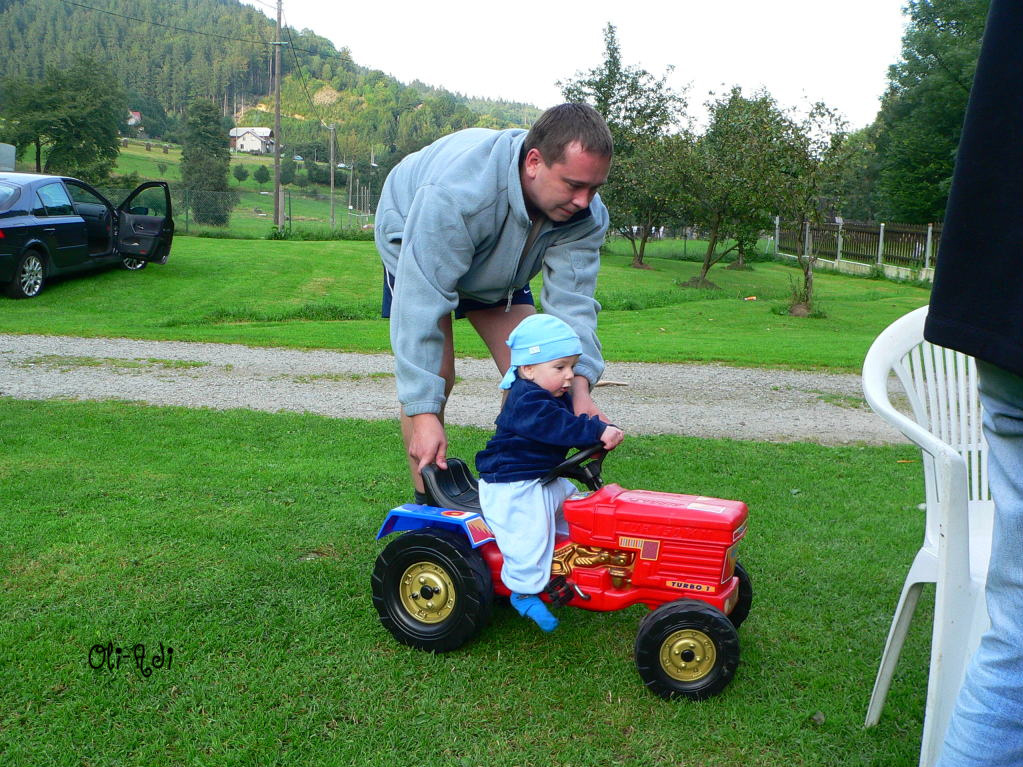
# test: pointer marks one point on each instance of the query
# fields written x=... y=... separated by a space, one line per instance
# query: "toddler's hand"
x=612 y=437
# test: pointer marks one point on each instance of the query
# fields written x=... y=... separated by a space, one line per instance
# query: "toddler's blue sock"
x=531 y=606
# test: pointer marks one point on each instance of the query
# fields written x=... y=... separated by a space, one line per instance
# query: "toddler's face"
x=554 y=376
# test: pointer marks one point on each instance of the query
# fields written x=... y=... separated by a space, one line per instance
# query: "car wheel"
x=687 y=649
x=745 y=601
x=133 y=264
x=432 y=590
x=29 y=276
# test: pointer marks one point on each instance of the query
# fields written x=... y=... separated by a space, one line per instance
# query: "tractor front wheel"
x=745 y=601
x=686 y=649
x=432 y=590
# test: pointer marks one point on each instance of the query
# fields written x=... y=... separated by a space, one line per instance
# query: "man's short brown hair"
x=565 y=124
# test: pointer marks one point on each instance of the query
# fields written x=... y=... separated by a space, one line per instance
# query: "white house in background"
x=258 y=140
x=134 y=118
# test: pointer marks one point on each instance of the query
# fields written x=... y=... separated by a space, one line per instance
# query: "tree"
x=634 y=103
x=204 y=165
x=261 y=175
x=154 y=118
x=645 y=187
x=318 y=174
x=744 y=162
x=922 y=112
x=240 y=172
x=818 y=154
x=652 y=188
x=853 y=188
x=70 y=117
x=288 y=169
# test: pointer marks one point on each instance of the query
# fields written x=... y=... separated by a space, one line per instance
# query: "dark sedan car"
x=52 y=225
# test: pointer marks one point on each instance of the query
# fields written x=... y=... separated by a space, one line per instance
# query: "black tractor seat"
x=453 y=488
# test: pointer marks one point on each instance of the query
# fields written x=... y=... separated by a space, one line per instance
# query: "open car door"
x=145 y=225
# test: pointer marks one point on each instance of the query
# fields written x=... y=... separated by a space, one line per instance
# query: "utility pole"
x=332 y=167
x=278 y=213
x=351 y=182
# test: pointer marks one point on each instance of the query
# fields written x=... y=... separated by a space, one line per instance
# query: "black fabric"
x=977 y=300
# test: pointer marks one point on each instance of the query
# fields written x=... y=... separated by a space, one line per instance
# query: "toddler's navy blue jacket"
x=535 y=430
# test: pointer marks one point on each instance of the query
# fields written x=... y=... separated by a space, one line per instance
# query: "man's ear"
x=532 y=162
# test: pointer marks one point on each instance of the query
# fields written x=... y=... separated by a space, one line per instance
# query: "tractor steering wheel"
x=573 y=468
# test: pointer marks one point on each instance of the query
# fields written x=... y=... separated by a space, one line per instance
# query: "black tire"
x=742 y=606
x=133 y=264
x=686 y=649
x=422 y=565
x=29 y=276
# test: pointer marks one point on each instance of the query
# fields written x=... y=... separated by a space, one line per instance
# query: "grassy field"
x=244 y=542
x=327 y=294
x=253 y=215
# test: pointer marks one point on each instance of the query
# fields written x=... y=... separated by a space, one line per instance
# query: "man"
x=977 y=308
x=463 y=226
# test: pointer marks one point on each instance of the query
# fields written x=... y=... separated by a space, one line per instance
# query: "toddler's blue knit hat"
x=539 y=338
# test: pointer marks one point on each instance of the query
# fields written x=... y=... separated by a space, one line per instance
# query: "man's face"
x=561 y=190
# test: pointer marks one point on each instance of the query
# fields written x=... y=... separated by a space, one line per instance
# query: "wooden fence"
x=908 y=246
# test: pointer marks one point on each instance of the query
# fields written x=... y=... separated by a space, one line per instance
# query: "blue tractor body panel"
x=414 y=516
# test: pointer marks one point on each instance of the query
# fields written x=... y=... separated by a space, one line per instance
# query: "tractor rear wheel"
x=432 y=590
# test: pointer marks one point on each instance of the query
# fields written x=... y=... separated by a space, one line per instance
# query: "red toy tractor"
x=434 y=586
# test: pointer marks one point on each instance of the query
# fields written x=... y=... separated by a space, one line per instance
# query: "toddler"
x=535 y=429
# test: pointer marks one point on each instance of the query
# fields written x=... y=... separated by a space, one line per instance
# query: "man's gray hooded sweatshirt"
x=452 y=223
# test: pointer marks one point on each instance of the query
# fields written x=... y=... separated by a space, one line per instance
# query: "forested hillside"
x=167 y=55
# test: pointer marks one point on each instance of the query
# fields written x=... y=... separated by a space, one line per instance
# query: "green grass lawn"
x=253 y=215
x=244 y=541
x=327 y=295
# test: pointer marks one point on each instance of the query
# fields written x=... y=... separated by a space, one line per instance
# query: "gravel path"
x=696 y=400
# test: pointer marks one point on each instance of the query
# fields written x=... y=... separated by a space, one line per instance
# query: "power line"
x=167 y=26
x=336 y=54
x=301 y=77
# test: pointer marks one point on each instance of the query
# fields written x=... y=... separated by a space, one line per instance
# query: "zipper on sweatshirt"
x=533 y=234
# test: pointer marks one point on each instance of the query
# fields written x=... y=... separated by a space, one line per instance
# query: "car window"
x=151 y=201
x=7 y=194
x=55 y=201
x=81 y=194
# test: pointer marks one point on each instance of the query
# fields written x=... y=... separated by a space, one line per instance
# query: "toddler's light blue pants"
x=524 y=517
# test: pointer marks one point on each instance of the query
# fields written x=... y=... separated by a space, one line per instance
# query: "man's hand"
x=582 y=402
x=429 y=443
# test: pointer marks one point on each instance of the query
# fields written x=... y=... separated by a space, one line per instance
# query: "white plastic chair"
x=945 y=421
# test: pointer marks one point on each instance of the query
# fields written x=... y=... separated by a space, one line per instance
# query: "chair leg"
x=892 y=649
x=953 y=642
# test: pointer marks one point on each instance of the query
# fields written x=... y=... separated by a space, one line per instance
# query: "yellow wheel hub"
x=687 y=655
x=427 y=592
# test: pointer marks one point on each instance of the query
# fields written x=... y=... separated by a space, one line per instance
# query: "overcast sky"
x=799 y=50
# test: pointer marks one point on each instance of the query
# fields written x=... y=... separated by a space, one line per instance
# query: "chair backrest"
x=943 y=404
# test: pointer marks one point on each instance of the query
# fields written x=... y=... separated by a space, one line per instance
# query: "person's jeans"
x=986 y=729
